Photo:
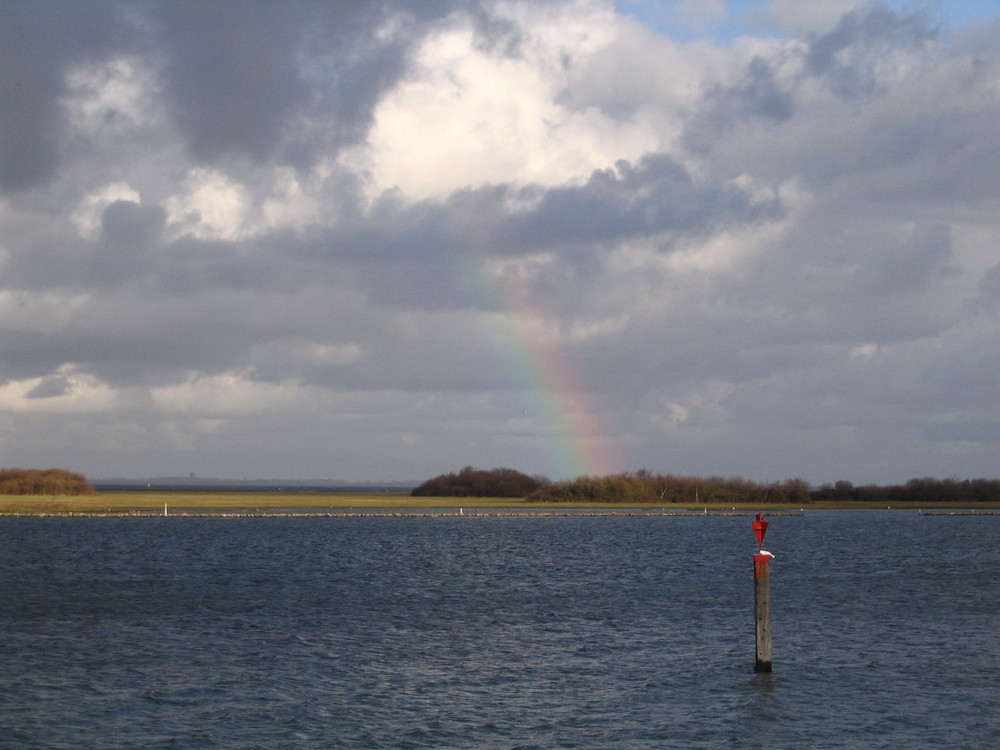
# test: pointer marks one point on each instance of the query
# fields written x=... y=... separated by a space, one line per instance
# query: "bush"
x=472 y=482
x=43 y=482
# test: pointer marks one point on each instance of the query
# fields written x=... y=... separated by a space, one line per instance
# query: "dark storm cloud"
x=845 y=61
x=870 y=31
x=128 y=244
x=989 y=287
x=128 y=351
x=232 y=72
x=981 y=432
x=759 y=94
x=654 y=196
x=50 y=387
x=763 y=95
x=910 y=267
x=38 y=43
x=238 y=76
x=851 y=286
x=419 y=256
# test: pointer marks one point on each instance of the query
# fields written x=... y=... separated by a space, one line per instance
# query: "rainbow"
x=575 y=442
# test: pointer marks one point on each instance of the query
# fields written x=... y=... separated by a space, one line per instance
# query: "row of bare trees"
x=926 y=490
x=639 y=487
x=646 y=487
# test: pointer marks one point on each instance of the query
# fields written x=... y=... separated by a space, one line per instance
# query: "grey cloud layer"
x=812 y=262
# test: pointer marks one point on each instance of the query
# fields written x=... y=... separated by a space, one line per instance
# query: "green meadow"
x=124 y=501
x=116 y=501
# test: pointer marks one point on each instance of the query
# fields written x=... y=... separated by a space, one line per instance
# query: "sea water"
x=465 y=632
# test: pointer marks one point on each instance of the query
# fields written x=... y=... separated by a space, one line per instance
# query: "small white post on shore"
x=164 y=509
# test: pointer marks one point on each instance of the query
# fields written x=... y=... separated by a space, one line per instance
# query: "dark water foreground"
x=448 y=632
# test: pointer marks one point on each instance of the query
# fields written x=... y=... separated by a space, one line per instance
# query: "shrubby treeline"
x=473 y=482
x=43 y=482
x=927 y=490
x=647 y=487
x=638 y=487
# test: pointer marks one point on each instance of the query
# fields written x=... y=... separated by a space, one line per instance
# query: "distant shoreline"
x=390 y=513
x=264 y=485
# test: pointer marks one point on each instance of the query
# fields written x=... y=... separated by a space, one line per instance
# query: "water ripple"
x=497 y=633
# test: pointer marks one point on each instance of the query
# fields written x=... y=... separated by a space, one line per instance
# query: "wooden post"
x=762 y=597
x=762 y=609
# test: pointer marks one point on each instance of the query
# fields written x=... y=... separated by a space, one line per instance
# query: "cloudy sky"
x=385 y=240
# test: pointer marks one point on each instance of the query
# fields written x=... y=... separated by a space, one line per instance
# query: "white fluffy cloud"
x=469 y=113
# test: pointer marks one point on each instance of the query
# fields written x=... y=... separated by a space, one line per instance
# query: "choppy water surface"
x=498 y=633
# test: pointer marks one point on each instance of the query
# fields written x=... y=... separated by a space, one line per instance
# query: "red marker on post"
x=762 y=596
x=759 y=529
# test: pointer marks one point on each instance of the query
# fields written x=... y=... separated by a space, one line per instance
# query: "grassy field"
x=128 y=500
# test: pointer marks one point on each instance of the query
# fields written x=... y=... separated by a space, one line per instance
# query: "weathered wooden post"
x=762 y=597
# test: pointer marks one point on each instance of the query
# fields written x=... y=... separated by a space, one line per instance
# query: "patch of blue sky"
x=722 y=21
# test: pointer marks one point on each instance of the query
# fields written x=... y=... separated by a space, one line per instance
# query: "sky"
x=382 y=241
